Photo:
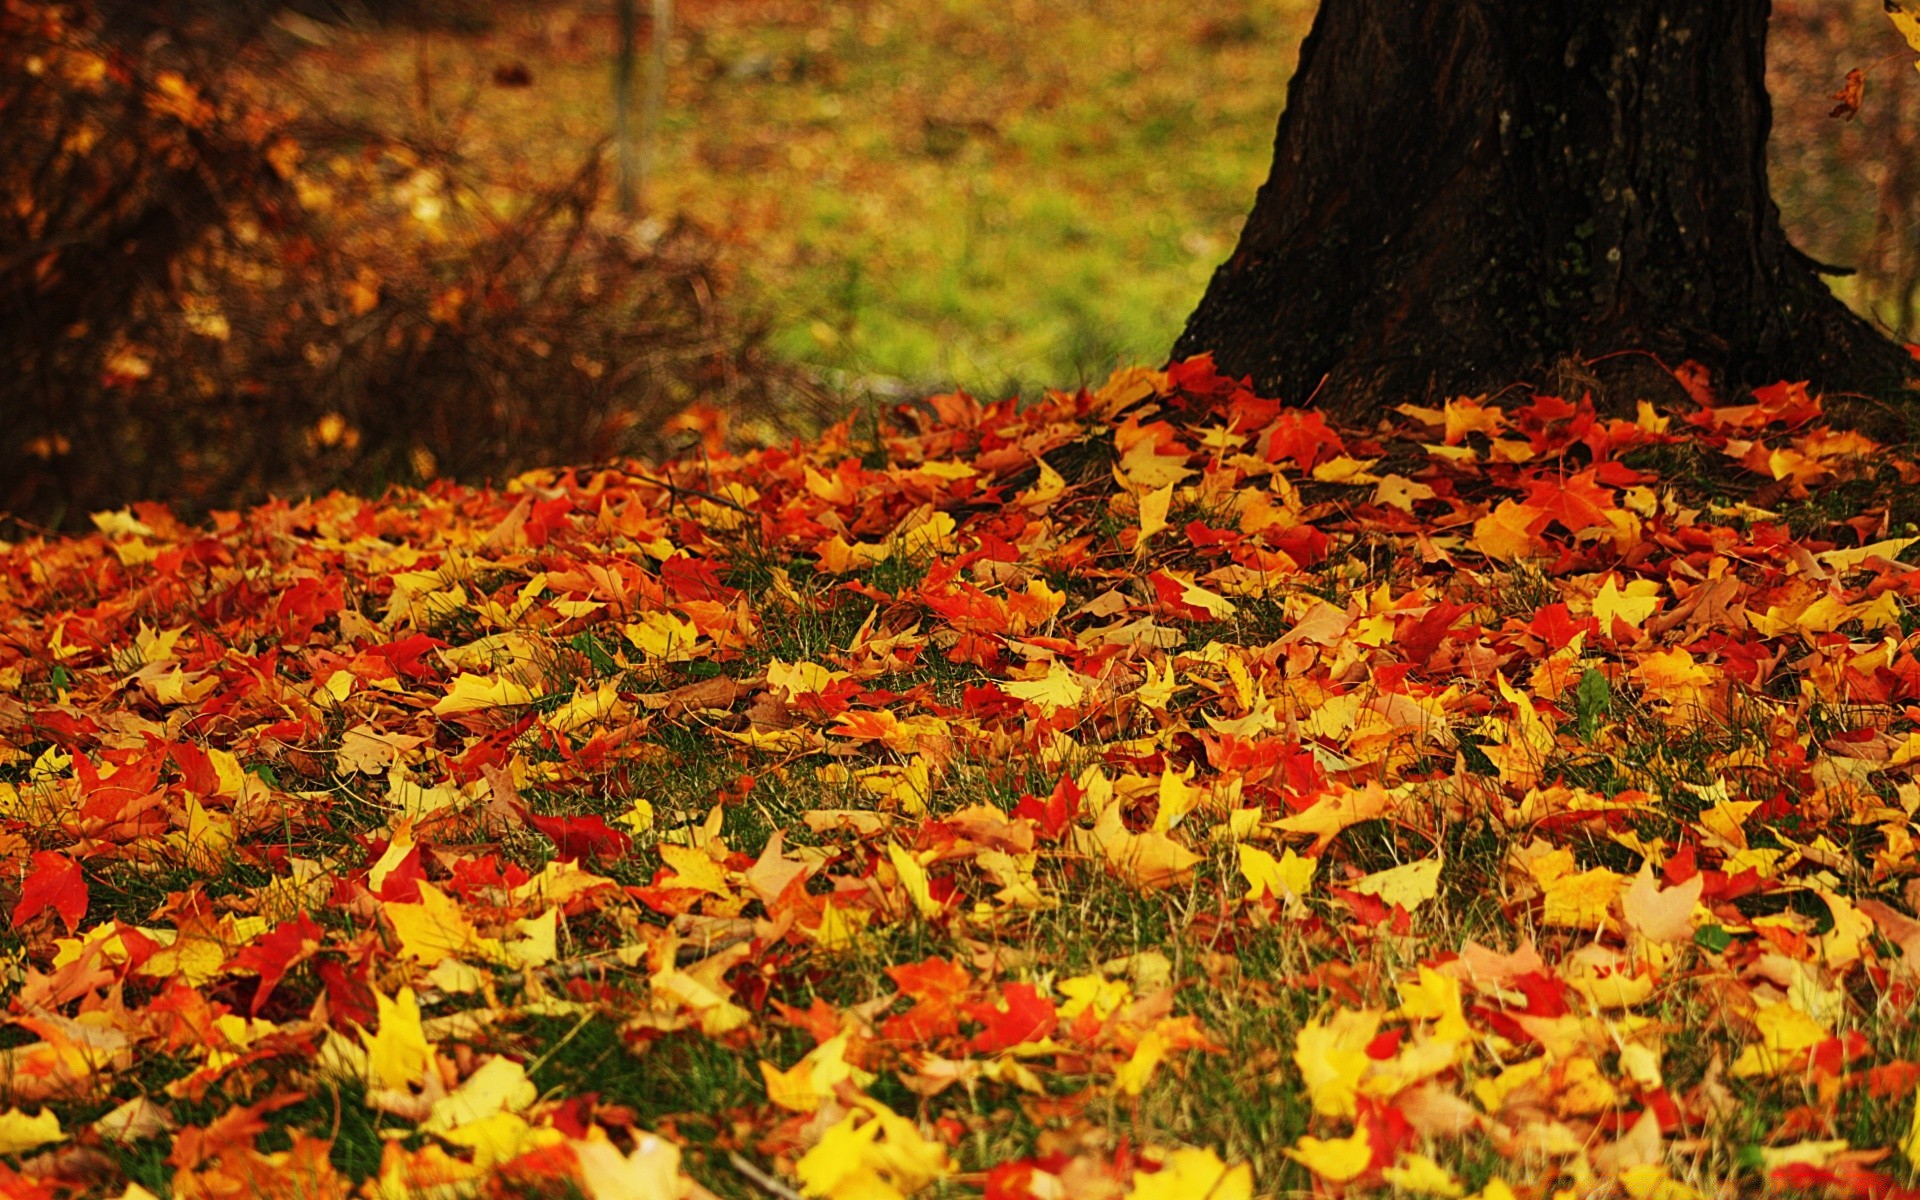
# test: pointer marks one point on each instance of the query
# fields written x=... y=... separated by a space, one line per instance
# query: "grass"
x=1002 y=197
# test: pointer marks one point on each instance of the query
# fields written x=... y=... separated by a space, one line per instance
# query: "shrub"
x=209 y=299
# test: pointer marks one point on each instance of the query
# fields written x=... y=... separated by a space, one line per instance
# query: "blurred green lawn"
x=1002 y=195
x=999 y=195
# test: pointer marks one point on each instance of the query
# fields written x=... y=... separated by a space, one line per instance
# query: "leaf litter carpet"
x=1146 y=792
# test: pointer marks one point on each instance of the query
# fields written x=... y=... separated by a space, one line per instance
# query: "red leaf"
x=581 y=837
x=1023 y=1015
x=936 y=986
x=696 y=579
x=56 y=883
x=274 y=954
x=1056 y=812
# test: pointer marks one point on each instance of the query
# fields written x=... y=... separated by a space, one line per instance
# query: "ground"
x=1128 y=793
x=1019 y=196
x=892 y=173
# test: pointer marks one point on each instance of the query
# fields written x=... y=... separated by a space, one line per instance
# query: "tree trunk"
x=1468 y=194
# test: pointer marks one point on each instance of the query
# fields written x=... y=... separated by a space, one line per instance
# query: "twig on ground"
x=760 y=1179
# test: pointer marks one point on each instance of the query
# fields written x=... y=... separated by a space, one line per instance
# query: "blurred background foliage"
x=254 y=248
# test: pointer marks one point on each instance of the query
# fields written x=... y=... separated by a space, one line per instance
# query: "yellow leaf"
x=1194 y=1173
x=1422 y=1176
x=1575 y=900
x=1153 y=515
x=651 y=1172
x=794 y=680
x=585 y=708
x=398 y=1054
x=538 y=943
x=398 y=847
x=1435 y=997
x=501 y=1137
x=871 y=1154
x=1397 y=491
x=1345 y=469
x=1215 y=605
x=1149 y=860
x=1132 y=1076
x=1785 y=1031
x=1506 y=533
x=194 y=958
x=1633 y=605
x=1092 y=991
x=639 y=818
x=471 y=693
x=840 y=928
x=1045 y=490
x=1285 y=878
x=803 y=1086
x=1330 y=814
x=1905 y=15
x=500 y=1085
x=913 y=877
x=1059 y=688
x=1332 y=1057
x=1409 y=885
x=19 y=1132
x=1334 y=1159
x=1492 y=1093
x=694 y=869
x=663 y=636
x=1176 y=798
x=436 y=928
x=1650 y=1181
x=1672 y=676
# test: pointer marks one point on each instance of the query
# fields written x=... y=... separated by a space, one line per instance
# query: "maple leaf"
x=1575 y=899
x=1509 y=532
x=1334 y=1159
x=1153 y=515
x=1060 y=687
x=1330 y=814
x=1193 y=1172
x=871 y=1152
x=1180 y=594
x=398 y=1053
x=436 y=928
x=937 y=987
x=1409 y=885
x=1332 y=1056
x=1150 y=860
x=1019 y=1016
x=913 y=877
x=56 y=883
x=20 y=1133
x=276 y=953
x=1422 y=1176
x=1285 y=878
x=1660 y=915
x=1850 y=94
x=500 y=1085
x=581 y=837
x=802 y=1087
x=1131 y=1077
x=1905 y=15
x=650 y=1172
x=475 y=693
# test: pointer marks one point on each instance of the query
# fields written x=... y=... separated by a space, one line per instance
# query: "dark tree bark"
x=1465 y=193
